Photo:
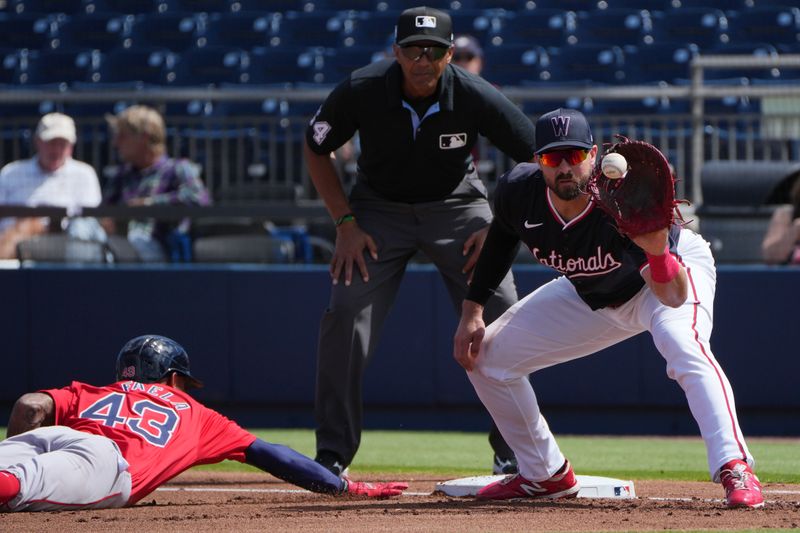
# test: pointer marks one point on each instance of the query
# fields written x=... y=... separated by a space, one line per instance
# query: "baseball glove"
x=643 y=200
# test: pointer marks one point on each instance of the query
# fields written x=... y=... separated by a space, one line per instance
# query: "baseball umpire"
x=612 y=287
x=417 y=189
x=87 y=447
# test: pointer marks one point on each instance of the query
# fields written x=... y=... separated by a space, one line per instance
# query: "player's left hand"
x=474 y=243
x=654 y=243
x=375 y=490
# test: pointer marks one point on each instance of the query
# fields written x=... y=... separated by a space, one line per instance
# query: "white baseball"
x=614 y=166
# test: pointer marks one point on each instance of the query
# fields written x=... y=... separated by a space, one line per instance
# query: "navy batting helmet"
x=149 y=358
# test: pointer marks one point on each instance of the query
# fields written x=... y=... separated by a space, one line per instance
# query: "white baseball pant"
x=553 y=325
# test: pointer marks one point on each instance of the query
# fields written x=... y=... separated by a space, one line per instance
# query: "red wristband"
x=664 y=267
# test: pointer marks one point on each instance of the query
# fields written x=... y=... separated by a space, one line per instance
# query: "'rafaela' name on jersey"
x=155 y=390
x=596 y=265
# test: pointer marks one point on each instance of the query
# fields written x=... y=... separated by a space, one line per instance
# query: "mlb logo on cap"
x=426 y=22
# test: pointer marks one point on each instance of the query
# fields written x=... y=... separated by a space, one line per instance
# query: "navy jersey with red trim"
x=603 y=265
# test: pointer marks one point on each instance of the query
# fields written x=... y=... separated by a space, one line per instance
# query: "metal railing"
x=257 y=157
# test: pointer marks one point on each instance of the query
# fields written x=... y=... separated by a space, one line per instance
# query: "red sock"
x=9 y=486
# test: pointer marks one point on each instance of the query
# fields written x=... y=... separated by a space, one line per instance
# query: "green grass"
x=454 y=453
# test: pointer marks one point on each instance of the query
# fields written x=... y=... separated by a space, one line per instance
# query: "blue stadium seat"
x=587 y=64
x=755 y=49
x=68 y=7
x=348 y=5
x=475 y=22
x=102 y=31
x=544 y=27
x=613 y=27
x=650 y=5
x=724 y=5
x=266 y=107
x=660 y=62
x=27 y=30
x=325 y=29
x=140 y=66
x=450 y=6
x=773 y=3
x=9 y=63
x=728 y=104
x=567 y=5
x=514 y=64
x=704 y=27
x=340 y=62
x=789 y=48
x=245 y=29
x=211 y=65
x=276 y=6
x=776 y=25
x=60 y=66
x=375 y=30
x=176 y=31
x=130 y=7
x=199 y=6
x=284 y=65
x=640 y=106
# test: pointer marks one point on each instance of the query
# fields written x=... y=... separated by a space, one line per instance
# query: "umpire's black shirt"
x=406 y=158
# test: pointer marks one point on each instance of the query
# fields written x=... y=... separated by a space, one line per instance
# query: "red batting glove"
x=375 y=490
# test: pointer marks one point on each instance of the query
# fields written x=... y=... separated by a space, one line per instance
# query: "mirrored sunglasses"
x=573 y=157
x=433 y=53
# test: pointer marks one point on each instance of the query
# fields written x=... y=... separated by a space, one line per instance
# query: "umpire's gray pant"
x=354 y=318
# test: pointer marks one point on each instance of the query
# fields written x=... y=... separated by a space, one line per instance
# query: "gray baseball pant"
x=353 y=320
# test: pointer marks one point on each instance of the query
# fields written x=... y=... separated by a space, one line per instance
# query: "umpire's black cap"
x=424 y=24
x=563 y=128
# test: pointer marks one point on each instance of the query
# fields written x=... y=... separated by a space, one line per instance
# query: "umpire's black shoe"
x=505 y=466
x=332 y=462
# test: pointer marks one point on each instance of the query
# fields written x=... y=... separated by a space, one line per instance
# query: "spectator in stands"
x=781 y=243
x=468 y=54
x=50 y=178
x=149 y=177
x=416 y=191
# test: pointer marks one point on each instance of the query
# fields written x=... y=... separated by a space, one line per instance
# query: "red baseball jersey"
x=160 y=430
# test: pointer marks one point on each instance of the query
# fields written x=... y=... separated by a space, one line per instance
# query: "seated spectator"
x=148 y=177
x=468 y=54
x=781 y=244
x=50 y=178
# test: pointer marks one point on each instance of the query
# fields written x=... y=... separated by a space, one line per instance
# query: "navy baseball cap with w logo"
x=563 y=128
x=424 y=24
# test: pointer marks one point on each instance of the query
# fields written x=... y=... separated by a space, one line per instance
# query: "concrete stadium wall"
x=252 y=332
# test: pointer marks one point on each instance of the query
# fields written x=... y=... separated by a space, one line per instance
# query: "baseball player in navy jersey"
x=417 y=190
x=89 y=447
x=611 y=288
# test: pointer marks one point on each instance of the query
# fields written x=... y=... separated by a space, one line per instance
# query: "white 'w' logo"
x=560 y=125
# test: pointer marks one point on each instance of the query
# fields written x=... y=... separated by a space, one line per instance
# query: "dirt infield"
x=201 y=501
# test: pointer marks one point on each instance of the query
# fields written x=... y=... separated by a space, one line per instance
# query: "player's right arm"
x=350 y=239
x=498 y=253
x=333 y=125
x=469 y=334
x=496 y=257
x=31 y=411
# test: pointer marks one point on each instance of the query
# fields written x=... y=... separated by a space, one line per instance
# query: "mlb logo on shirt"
x=449 y=141
x=425 y=21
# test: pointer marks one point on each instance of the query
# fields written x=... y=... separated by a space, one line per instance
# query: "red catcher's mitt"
x=644 y=200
